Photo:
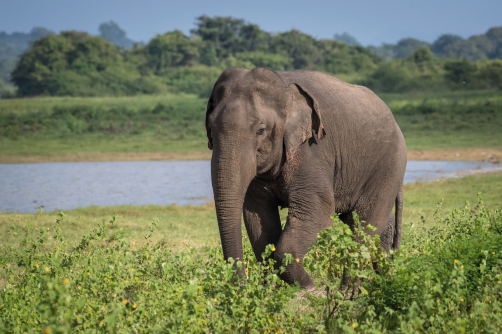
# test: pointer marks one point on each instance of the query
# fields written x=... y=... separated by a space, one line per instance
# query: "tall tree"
x=169 y=50
x=300 y=47
x=113 y=33
x=407 y=46
x=55 y=61
x=226 y=36
x=460 y=73
x=495 y=36
x=346 y=38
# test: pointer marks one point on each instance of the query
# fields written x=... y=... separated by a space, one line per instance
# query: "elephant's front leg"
x=305 y=221
x=262 y=221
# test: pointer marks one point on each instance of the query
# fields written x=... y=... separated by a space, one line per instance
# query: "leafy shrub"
x=447 y=278
x=460 y=73
x=111 y=285
x=490 y=71
x=198 y=79
x=76 y=64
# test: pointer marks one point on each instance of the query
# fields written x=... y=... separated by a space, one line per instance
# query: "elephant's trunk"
x=231 y=173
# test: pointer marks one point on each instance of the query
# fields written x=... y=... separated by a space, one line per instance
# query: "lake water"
x=69 y=185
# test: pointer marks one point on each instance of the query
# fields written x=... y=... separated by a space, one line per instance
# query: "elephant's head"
x=255 y=121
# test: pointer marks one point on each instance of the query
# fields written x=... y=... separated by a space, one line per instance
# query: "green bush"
x=76 y=64
x=444 y=279
x=460 y=74
x=180 y=117
x=198 y=79
x=490 y=72
x=109 y=285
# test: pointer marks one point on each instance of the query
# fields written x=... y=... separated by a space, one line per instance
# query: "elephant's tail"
x=398 y=219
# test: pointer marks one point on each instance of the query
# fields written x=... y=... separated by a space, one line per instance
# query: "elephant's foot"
x=295 y=273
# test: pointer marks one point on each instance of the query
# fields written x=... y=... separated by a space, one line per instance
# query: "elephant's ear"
x=209 y=110
x=303 y=119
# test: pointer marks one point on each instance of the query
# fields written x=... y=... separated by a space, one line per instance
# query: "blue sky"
x=370 y=21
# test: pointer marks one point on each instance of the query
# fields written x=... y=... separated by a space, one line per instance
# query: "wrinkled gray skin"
x=306 y=141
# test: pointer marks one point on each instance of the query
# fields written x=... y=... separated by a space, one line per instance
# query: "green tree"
x=34 y=70
x=74 y=63
x=384 y=51
x=113 y=33
x=490 y=71
x=224 y=33
x=407 y=46
x=392 y=77
x=460 y=73
x=277 y=62
x=341 y=58
x=495 y=36
x=483 y=44
x=170 y=50
x=443 y=45
x=346 y=38
x=422 y=55
x=300 y=47
x=254 y=39
x=20 y=41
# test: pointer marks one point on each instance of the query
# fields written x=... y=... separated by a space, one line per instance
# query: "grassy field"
x=154 y=268
x=172 y=127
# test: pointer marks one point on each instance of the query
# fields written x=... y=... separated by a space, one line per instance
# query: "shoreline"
x=493 y=155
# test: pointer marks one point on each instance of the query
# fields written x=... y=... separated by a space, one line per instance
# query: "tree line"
x=74 y=63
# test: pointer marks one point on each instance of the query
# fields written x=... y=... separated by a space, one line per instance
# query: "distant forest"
x=74 y=63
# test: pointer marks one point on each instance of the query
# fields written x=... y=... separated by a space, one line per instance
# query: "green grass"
x=37 y=104
x=448 y=120
x=178 y=227
x=88 y=272
x=56 y=127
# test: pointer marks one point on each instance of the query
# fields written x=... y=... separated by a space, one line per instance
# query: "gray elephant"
x=306 y=141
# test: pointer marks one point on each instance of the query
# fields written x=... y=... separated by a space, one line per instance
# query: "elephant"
x=306 y=141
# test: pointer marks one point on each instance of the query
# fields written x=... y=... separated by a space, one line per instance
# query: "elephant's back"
x=346 y=106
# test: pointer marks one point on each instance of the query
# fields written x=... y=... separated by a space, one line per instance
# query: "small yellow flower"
x=493 y=253
x=48 y=229
x=215 y=300
x=36 y=265
x=461 y=300
x=47 y=330
x=499 y=282
x=133 y=244
x=79 y=287
x=354 y=325
x=297 y=259
x=46 y=269
x=273 y=249
x=134 y=306
x=455 y=261
x=244 y=262
x=65 y=280
x=225 y=261
x=124 y=301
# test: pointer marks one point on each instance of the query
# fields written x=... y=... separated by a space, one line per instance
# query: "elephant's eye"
x=260 y=131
